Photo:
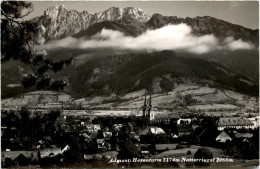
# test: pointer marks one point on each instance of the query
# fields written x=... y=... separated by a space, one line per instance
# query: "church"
x=147 y=107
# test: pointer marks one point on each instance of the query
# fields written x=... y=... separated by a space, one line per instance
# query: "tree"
x=18 y=37
x=209 y=131
x=73 y=155
x=22 y=160
x=203 y=153
x=128 y=150
x=188 y=99
x=152 y=148
x=174 y=127
x=114 y=141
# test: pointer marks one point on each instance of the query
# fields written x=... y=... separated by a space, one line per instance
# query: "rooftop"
x=234 y=121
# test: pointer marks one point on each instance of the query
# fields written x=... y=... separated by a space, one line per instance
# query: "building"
x=117 y=127
x=244 y=135
x=152 y=130
x=255 y=121
x=107 y=135
x=91 y=128
x=164 y=117
x=184 y=121
x=147 y=107
x=51 y=151
x=223 y=137
x=234 y=122
x=102 y=144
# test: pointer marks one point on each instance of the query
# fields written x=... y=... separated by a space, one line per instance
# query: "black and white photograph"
x=130 y=84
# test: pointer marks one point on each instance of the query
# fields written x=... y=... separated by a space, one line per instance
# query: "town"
x=52 y=129
x=129 y=84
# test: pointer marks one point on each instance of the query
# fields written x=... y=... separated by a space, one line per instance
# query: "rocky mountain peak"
x=54 y=11
x=59 y=22
x=136 y=13
x=117 y=13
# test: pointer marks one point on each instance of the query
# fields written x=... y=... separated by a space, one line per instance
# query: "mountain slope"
x=122 y=74
x=104 y=75
x=207 y=25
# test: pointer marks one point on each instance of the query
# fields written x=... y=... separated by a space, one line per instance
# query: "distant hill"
x=121 y=74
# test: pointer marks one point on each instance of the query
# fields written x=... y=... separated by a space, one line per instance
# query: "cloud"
x=232 y=44
x=171 y=37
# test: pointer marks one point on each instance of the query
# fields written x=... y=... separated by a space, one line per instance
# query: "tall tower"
x=149 y=106
x=144 y=107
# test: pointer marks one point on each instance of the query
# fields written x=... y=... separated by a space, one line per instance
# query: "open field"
x=183 y=152
x=198 y=92
x=207 y=100
x=212 y=97
x=184 y=87
x=213 y=107
x=135 y=94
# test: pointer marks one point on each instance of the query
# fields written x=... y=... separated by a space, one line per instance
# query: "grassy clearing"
x=213 y=107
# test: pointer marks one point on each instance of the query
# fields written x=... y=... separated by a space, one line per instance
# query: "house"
x=255 y=121
x=87 y=137
x=88 y=157
x=223 y=137
x=195 y=120
x=152 y=130
x=48 y=152
x=101 y=143
x=52 y=151
x=93 y=135
x=135 y=137
x=175 y=136
x=243 y=135
x=107 y=135
x=164 y=118
x=245 y=140
x=234 y=122
x=91 y=128
x=145 y=152
x=117 y=127
x=194 y=126
x=65 y=148
x=183 y=121
x=3 y=129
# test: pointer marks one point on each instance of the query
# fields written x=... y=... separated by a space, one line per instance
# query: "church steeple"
x=150 y=105
x=144 y=107
x=147 y=107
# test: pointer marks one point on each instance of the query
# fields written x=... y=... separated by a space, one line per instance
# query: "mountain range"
x=58 y=22
x=105 y=71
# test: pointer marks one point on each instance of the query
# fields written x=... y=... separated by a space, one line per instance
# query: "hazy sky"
x=245 y=13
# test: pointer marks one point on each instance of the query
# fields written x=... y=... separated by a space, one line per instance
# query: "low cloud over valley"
x=170 y=37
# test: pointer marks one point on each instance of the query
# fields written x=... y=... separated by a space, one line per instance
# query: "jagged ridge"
x=59 y=22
